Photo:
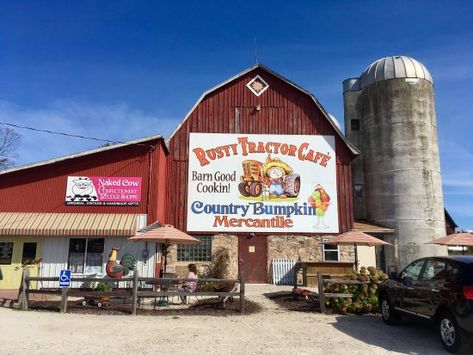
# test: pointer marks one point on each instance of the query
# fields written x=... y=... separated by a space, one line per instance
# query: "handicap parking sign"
x=65 y=278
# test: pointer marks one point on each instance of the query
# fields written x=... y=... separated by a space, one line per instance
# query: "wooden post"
x=134 y=294
x=296 y=271
x=242 y=293
x=64 y=300
x=321 y=292
x=24 y=287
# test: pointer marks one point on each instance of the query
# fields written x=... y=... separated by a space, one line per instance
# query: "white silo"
x=390 y=117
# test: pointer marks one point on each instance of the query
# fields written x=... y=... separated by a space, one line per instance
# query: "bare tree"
x=9 y=141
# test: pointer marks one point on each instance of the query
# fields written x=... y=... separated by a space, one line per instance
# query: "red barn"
x=45 y=214
x=257 y=167
x=260 y=105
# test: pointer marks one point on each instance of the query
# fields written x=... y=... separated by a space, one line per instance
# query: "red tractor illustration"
x=252 y=179
x=273 y=177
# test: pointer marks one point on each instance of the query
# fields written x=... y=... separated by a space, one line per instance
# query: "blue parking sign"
x=65 y=278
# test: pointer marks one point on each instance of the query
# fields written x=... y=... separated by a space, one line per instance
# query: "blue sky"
x=127 y=69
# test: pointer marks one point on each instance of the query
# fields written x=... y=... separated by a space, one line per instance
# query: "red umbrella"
x=460 y=239
x=356 y=238
x=165 y=234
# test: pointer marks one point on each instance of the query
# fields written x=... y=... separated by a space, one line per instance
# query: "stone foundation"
x=298 y=248
x=302 y=248
x=229 y=242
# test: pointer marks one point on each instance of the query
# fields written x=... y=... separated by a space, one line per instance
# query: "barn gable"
x=283 y=108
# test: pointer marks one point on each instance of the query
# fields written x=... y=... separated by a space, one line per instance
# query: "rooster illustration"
x=116 y=270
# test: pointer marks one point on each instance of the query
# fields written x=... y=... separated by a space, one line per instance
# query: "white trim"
x=257 y=77
x=84 y=266
x=330 y=250
x=80 y=154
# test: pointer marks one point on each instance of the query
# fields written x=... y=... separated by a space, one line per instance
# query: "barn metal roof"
x=335 y=125
x=368 y=227
x=140 y=141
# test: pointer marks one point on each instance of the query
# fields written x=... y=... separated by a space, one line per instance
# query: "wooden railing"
x=134 y=292
x=323 y=295
x=320 y=296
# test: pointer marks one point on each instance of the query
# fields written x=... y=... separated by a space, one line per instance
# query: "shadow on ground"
x=409 y=337
x=291 y=302
x=209 y=307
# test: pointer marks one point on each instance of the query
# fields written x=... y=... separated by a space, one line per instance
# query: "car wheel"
x=390 y=316
x=450 y=333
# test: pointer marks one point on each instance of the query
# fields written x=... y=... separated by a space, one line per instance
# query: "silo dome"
x=395 y=67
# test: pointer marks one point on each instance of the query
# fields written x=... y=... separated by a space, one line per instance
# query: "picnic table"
x=169 y=288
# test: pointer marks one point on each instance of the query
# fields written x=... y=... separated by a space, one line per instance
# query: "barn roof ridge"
x=352 y=148
x=139 y=141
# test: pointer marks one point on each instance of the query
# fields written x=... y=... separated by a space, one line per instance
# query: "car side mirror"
x=393 y=275
x=406 y=281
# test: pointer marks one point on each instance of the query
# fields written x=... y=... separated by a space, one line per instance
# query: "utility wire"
x=70 y=135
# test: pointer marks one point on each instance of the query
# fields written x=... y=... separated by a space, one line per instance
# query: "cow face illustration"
x=83 y=189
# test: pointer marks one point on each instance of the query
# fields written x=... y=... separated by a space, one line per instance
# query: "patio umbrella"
x=461 y=239
x=165 y=234
x=356 y=238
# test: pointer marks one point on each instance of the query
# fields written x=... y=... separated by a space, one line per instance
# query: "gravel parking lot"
x=273 y=331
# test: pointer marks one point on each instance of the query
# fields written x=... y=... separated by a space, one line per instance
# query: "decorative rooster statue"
x=116 y=270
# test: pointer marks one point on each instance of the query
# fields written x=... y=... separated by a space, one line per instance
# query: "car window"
x=413 y=270
x=435 y=269
x=467 y=274
x=453 y=270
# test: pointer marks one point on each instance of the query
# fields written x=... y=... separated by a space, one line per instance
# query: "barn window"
x=355 y=125
x=196 y=252
x=29 y=252
x=86 y=255
x=358 y=190
x=331 y=252
x=6 y=252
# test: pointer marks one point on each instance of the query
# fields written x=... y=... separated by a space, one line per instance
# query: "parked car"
x=438 y=289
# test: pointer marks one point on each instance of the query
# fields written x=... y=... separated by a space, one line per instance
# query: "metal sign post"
x=64 y=283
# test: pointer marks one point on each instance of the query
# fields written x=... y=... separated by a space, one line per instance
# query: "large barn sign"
x=262 y=183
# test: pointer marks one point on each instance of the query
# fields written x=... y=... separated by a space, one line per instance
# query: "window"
x=331 y=252
x=196 y=252
x=6 y=252
x=358 y=190
x=29 y=252
x=436 y=269
x=355 y=125
x=86 y=255
x=413 y=270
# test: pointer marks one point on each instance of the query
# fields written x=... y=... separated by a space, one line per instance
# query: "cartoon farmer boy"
x=275 y=172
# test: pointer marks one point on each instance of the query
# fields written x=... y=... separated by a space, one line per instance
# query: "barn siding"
x=43 y=188
x=230 y=109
